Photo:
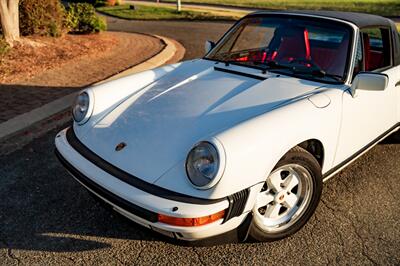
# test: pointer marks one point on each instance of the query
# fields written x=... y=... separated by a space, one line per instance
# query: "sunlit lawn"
x=380 y=7
x=142 y=12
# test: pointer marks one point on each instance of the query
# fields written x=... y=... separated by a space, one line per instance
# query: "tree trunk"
x=9 y=18
x=178 y=5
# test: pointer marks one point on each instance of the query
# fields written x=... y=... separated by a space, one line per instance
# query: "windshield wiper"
x=275 y=65
x=314 y=71
x=317 y=72
x=272 y=65
x=335 y=77
x=230 y=61
x=265 y=66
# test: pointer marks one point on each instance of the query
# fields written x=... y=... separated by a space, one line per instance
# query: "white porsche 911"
x=244 y=136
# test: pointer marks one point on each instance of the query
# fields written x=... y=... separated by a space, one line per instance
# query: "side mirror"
x=369 y=81
x=208 y=46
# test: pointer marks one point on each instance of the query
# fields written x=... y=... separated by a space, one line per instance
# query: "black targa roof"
x=361 y=20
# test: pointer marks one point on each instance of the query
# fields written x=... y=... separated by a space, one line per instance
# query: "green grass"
x=379 y=7
x=159 y=13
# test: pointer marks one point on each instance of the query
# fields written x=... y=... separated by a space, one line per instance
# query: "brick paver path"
x=28 y=94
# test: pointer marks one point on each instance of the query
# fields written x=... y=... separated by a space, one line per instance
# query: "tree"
x=178 y=5
x=9 y=18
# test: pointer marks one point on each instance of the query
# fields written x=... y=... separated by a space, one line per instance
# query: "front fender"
x=253 y=148
x=108 y=95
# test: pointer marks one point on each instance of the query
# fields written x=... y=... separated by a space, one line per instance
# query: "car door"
x=394 y=84
x=370 y=114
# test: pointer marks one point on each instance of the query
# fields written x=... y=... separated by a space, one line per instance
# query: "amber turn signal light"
x=191 y=221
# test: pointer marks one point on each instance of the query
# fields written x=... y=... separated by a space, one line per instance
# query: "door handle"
x=397 y=84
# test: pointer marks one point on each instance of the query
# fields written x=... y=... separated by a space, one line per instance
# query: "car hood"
x=161 y=123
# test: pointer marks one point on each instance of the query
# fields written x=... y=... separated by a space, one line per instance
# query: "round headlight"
x=202 y=165
x=80 y=108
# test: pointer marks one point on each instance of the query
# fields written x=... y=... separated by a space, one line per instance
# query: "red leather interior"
x=373 y=59
x=332 y=59
x=366 y=52
x=376 y=59
x=323 y=57
x=253 y=56
x=294 y=44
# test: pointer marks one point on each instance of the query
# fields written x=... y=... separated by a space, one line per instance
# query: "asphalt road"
x=48 y=218
x=192 y=35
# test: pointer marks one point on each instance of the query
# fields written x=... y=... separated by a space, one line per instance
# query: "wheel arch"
x=253 y=148
x=315 y=148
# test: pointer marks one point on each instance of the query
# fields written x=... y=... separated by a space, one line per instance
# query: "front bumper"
x=143 y=207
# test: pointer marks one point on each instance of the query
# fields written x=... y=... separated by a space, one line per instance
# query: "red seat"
x=376 y=59
x=294 y=44
x=373 y=59
x=291 y=43
x=366 y=52
x=323 y=57
x=332 y=59
x=338 y=64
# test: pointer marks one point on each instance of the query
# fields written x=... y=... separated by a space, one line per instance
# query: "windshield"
x=302 y=47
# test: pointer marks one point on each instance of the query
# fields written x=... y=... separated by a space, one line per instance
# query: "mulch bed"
x=33 y=76
x=38 y=54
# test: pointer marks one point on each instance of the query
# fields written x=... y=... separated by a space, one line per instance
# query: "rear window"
x=321 y=34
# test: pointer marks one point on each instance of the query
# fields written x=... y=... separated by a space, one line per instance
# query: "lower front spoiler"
x=210 y=234
x=105 y=194
x=239 y=234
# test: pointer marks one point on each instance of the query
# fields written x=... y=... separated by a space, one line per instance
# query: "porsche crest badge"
x=120 y=146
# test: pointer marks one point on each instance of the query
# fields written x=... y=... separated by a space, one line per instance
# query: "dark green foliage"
x=95 y=3
x=41 y=17
x=82 y=18
x=4 y=47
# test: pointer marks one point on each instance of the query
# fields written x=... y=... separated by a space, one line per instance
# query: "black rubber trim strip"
x=237 y=203
x=375 y=141
x=111 y=197
x=130 y=179
x=239 y=73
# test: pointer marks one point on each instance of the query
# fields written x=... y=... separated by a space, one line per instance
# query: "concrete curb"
x=26 y=120
x=159 y=59
x=20 y=123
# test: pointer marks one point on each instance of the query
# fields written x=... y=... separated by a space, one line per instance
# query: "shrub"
x=82 y=18
x=95 y=3
x=4 y=47
x=41 y=17
x=111 y=2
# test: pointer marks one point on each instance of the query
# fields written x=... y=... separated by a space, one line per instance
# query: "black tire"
x=301 y=157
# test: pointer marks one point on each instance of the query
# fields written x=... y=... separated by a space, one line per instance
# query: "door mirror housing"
x=369 y=81
x=208 y=46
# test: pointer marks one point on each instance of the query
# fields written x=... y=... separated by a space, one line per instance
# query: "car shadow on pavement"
x=44 y=209
x=393 y=138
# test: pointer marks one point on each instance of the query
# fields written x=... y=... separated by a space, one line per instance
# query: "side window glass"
x=358 y=64
x=376 y=42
